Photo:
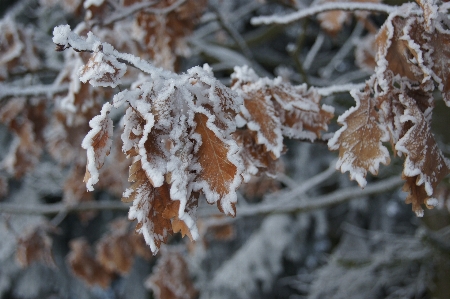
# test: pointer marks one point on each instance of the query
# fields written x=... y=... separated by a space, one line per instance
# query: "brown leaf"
x=163 y=35
x=98 y=145
x=394 y=52
x=424 y=160
x=219 y=177
x=263 y=120
x=255 y=157
x=170 y=278
x=34 y=246
x=83 y=264
x=149 y=205
x=359 y=141
x=115 y=250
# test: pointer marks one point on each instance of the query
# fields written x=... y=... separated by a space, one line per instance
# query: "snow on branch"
x=311 y=11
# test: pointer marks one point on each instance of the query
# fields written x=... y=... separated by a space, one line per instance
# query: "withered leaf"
x=359 y=141
x=170 y=278
x=424 y=160
x=83 y=264
x=98 y=145
x=219 y=178
x=34 y=246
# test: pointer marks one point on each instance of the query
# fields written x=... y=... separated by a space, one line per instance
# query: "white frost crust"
x=432 y=202
x=154 y=172
x=88 y=3
x=139 y=211
x=100 y=123
x=412 y=169
x=100 y=66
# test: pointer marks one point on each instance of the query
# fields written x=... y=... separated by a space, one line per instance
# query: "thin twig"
x=326 y=91
x=7 y=91
x=304 y=13
x=56 y=208
x=130 y=10
x=332 y=199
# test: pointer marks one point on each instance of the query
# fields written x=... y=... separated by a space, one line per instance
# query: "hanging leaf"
x=98 y=145
x=424 y=160
x=359 y=141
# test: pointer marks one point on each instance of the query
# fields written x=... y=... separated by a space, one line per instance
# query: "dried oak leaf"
x=34 y=246
x=170 y=278
x=297 y=107
x=163 y=35
x=255 y=157
x=83 y=264
x=219 y=181
x=359 y=141
x=149 y=204
x=261 y=117
x=424 y=160
x=394 y=52
x=98 y=145
x=115 y=250
x=26 y=118
x=439 y=48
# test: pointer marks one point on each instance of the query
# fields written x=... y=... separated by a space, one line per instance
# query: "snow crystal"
x=432 y=202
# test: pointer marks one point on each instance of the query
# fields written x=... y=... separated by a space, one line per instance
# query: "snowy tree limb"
x=311 y=11
x=7 y=91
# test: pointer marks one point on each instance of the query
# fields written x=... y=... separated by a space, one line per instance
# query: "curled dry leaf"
x=425 y=165
x=98 y=145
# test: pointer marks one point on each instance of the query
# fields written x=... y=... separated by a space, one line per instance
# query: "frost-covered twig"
x=132 y=9
x=34 y=90
x=64 y=38
x=289 y=18
x=307 y=185
x=313 y=51
x=329 y=90
x=320 y=202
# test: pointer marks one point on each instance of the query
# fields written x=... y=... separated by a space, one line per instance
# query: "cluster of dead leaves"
x=114 y=254
x=397 y=104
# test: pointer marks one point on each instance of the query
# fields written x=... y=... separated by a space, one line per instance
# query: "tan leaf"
x=219 y=178
x=34 y=246
x=170 y=278
x=394 y=53
x=359 y=141
x=424 y=160
x=149 y=205
x=83 y=264
x=98 y=145
x=115 y=250
x=255 y=157
x=264 y=121
x=439 y=56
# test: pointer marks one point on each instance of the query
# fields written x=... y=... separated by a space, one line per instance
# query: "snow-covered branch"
x=34 y=90
x=311 y=11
